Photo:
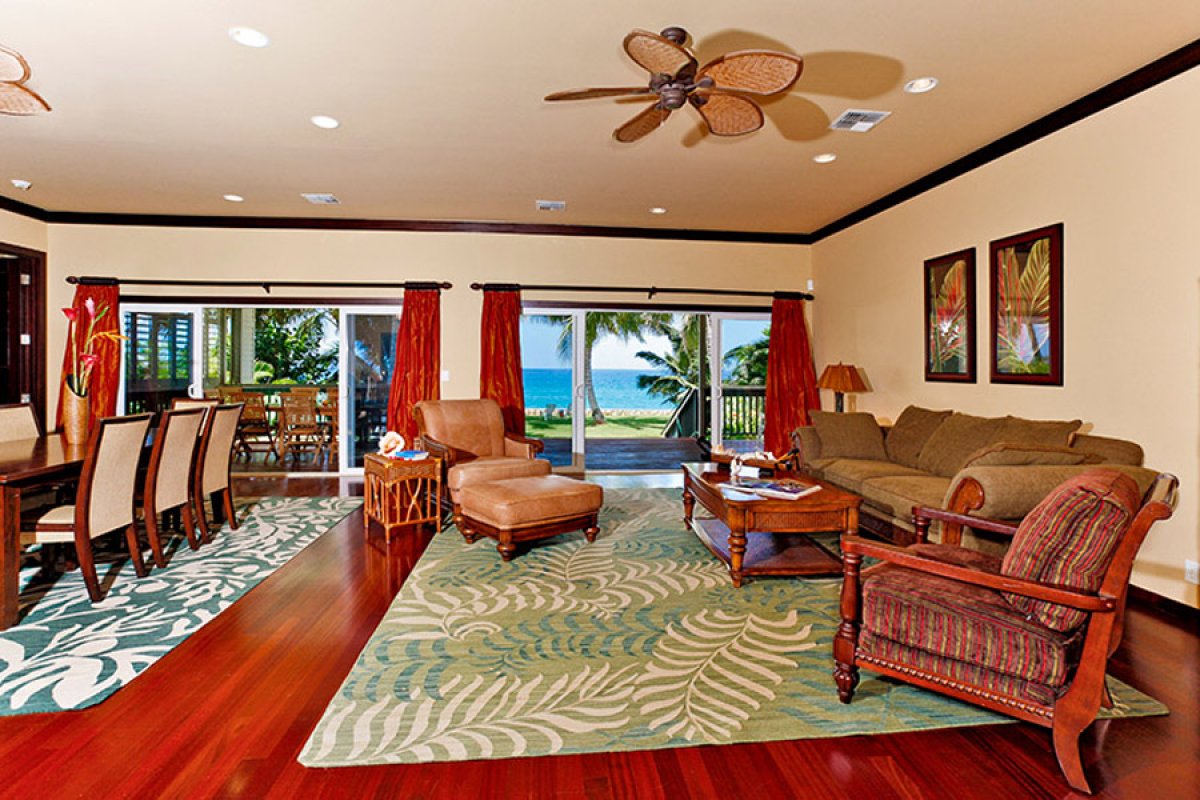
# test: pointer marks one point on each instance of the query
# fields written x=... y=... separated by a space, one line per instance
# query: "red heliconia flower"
x=71 y=313
x=90 y=305
x=89 y=360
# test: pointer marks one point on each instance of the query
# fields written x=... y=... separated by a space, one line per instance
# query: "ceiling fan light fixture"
x=22 y=184
x=249 y=37
x=825 y=158
x=234 y=198
x=323 y=121
x=921 y=85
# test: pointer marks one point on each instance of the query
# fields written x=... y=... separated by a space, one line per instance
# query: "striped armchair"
x=1027 y=635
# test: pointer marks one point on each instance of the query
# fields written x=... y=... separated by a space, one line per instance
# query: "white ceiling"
x=157 y=110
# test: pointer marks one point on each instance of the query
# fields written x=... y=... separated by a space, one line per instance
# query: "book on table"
x=778 y=489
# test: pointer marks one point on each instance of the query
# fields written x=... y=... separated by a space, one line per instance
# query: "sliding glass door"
x=368 y=352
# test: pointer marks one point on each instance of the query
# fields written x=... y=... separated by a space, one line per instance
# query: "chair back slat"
x=217 y=447
x=171 y=461
x=19 y=421
x=109 y=477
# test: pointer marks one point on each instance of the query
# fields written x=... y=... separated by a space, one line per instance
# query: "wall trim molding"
x=1162 y=69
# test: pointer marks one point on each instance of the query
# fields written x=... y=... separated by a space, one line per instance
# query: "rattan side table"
x=402 y=492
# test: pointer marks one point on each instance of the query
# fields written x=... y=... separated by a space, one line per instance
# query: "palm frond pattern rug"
x=68 y=653
x=637 y=641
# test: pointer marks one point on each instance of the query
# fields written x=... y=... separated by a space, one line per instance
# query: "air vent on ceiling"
x=551 y=205
x=858 y=120
x=320 y=198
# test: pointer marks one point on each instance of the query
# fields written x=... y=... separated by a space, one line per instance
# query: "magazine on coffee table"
x=780 y=489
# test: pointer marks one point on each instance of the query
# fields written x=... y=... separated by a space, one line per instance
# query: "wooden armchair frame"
x=1086 y=691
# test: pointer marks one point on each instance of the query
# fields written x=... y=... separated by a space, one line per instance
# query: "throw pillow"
x=1109 y=450
x=911 y=431
x=955 y=440
x=849 y=435
x=1053 y=433
x=1016 y=454
x=1069 y=539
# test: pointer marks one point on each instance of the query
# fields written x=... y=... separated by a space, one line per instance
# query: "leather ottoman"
x=525 y=509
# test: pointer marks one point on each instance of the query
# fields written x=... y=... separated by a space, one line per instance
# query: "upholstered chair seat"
x=469 y=437
x=1028 y=634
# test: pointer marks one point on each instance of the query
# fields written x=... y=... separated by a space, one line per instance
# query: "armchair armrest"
x=522 y=446
x=954 y=521
x=443 y=451
x=1051 y=593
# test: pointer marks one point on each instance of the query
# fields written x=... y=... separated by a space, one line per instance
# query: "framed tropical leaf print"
x=1026 y=312
x=950 y=317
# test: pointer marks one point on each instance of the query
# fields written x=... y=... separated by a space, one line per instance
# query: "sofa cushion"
x=1069 y=539
x=1110 y=451
x=897 y=494
x=963 y=622
x=493 y=468
x=1017 y=454
x=912 y=429
x=806 y=440
x=955 y=440
x=1051 y=433
x=849 y=473
x=849 y=435
x=523 y=502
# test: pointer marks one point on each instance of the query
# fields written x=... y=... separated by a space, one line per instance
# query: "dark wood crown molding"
x=1169 y=66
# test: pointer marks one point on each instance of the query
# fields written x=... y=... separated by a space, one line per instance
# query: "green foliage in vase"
x=1023 y=310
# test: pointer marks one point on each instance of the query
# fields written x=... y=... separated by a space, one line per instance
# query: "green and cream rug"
x=69 y=653
x=637 y=641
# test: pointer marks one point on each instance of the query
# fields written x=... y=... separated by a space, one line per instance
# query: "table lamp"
x=841 y=379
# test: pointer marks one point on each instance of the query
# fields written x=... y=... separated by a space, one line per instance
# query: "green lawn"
x=640 y=427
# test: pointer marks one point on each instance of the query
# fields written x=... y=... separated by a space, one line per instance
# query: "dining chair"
x=105 y=498
x=299 y=427
x=256 y=432
x=169 y=483
x=19 y=421
x=212 y=465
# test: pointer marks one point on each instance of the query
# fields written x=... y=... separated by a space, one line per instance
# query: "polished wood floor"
x=226 y=713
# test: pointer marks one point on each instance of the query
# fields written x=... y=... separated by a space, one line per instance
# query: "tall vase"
x=75 y=417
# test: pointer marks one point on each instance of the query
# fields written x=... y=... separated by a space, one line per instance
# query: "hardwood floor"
x=226 y=713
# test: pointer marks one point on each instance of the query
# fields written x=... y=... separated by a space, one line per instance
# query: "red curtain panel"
x=500 y=376
x=102 y=391
x=791 y=377
x=416 y=372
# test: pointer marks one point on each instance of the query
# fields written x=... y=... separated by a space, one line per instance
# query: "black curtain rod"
x=266 y=286
x=650 y=291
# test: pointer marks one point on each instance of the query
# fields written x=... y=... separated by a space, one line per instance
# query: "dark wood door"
x=23 y=326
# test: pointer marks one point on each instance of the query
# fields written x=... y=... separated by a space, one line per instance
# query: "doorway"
x=23 y=327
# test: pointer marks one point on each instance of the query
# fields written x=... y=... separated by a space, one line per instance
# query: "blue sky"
x=539 y=342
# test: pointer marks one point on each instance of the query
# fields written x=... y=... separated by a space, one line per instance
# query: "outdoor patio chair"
x=104 y=501
x=1030 y=635
x=256 y=429
x=299 y=428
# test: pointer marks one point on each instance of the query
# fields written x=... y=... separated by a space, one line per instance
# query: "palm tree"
x=679 y=369
x=749 y=362
x=623 y=325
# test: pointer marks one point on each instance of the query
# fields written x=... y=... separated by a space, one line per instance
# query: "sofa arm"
x=521 y=447
x=1011 y=492
x=808 y=443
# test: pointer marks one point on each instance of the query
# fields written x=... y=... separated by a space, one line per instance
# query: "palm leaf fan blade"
x=17 y=100
x=657 y=55
x=642 y=124
x=729 y=114
x=761 y=72
x=13 y=67
x=588 y=94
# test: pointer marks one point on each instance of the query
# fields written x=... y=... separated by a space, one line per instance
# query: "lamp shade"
x=842 y=378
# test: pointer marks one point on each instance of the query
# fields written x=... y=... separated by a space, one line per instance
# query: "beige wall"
x=397 y=256
x=22 y=231
x=1125 y=184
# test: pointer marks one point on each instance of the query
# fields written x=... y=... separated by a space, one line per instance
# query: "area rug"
x=70 y=653
x=637 y=641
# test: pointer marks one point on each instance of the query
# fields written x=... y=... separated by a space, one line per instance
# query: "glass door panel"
x=158 y=358
x=367 y=358
x=740 y=377
x=547 y=347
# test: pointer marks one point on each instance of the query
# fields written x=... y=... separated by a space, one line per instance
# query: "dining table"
x=27 y=465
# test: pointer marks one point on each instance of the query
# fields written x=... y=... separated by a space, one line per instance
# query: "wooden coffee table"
x=767 y=536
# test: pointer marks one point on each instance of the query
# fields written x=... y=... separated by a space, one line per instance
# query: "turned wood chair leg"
x=845 y=641
x=189 y=525
x=227 y=504
x=135 y=550
x=156 y=547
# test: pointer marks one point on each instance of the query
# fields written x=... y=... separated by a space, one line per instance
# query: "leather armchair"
x=469 y=437
x=1028 y=635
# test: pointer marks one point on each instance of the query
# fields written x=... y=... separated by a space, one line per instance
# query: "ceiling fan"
x=15 y=97
x=717 y=90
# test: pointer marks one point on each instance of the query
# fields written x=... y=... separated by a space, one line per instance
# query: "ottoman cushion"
x=521 y=502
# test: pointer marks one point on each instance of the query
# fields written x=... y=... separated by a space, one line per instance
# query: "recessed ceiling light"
x=21 y=184
x=322 y=121
x=249 y=37
x=920 y=85
x=825 y=158
x=234 y=198
x=658 y=210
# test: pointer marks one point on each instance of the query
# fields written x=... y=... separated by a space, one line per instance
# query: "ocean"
x=615 y=388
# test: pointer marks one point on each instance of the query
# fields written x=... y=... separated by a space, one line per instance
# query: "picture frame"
x=1026 y=287
x=950 y=324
